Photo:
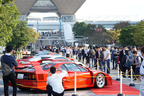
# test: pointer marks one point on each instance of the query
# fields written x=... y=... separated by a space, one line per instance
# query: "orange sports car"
x=35 y=77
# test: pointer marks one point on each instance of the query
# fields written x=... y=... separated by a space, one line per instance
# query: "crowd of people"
x=96 y=56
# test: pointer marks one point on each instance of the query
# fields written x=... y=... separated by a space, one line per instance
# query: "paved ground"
x=80 y=92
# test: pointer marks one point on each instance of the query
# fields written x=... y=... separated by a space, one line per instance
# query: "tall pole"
x=60 y=25
x=37 y=25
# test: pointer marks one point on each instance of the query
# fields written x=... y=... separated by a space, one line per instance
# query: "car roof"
x=50 y=56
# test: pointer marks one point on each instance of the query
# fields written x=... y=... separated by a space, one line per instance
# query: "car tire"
x=100 y=80
x=24 y=89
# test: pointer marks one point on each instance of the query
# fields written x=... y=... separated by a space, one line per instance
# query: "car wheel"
x=100 y=80
x=24 y=89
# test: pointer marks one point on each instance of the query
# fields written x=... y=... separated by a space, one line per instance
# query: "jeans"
x=102 y=66
x=83 y=57
x=115 y=65
x=12 y=79
x=91 y=62
x=50 y=91
x=79 y=57
x=108 y=65
x=137 y=71
x=95 y=63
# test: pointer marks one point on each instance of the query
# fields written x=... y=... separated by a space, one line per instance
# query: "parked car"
x=40 y=59
x=35 y=77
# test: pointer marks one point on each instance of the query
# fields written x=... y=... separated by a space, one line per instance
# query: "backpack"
x=93 y=52
x=128 y=63
x=5 y=68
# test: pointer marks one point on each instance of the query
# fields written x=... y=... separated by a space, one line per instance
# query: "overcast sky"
x=109 y=10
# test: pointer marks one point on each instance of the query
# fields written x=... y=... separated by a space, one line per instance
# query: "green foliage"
x=121 y=25
x=101 y=26
x=133 y=35
x=126 y=35
x=138 y=36
x=79 y=28
x=35 y=36
x=8 y=20
x=7 y=1
x=90 y=32
x=22 y=35
x=112 y=36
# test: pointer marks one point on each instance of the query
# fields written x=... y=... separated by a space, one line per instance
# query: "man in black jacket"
x=83 y=53
x=9 y=60
x=122 y=59
x=96 y=57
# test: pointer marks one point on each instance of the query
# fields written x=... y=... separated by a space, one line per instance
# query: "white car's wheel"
x=100 y=80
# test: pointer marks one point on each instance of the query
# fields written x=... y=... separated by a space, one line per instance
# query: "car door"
x=84 y=77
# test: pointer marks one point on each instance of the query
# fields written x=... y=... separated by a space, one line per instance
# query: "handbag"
x=5 y=68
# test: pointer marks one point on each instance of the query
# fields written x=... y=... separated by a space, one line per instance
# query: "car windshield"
x=29 y=69
x=44 y=51
x=35 y=58
x=41 y=54
x=46 y=66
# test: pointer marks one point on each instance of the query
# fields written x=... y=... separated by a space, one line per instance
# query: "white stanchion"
x=118 y=79
x=105 y=68
x=97 y=65
x=75 y=86
x=90 y=63
x=131 y=84
x=121 y=94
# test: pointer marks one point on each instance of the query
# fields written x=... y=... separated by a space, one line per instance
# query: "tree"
x=79 y=28
x=126 y=35
x=7 y=1
x=121 y=25
x=35 y=35
x=22 y=35
x=138 y=36
x=101 y=27
x=8 y=20
x=112 y=35
x=90 y=32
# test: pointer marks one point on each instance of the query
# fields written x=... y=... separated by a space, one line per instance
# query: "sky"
x=108 y=10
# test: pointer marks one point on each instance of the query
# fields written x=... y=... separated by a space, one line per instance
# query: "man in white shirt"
x=68 y=51
x=54 y=83
x=107 y=58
